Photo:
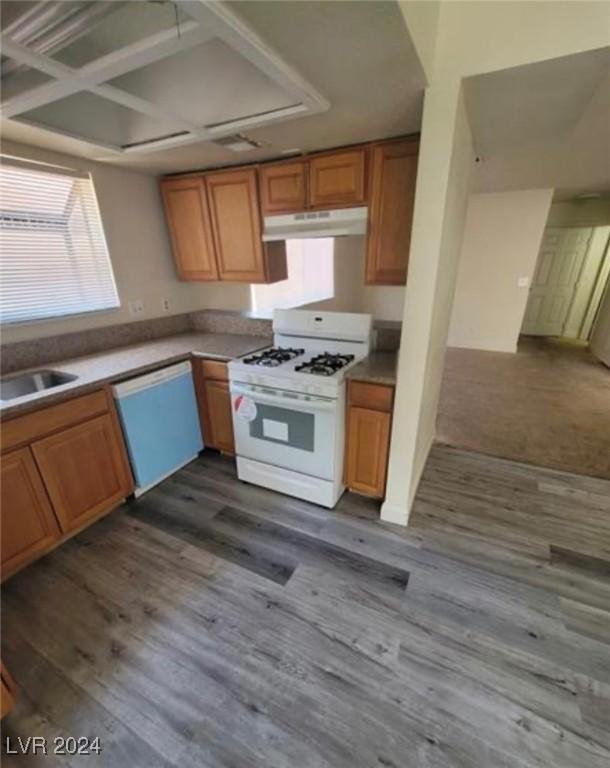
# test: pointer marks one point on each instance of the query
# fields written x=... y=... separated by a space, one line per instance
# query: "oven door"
x=285 y=429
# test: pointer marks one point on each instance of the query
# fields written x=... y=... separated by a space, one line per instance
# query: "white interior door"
x=560 y=262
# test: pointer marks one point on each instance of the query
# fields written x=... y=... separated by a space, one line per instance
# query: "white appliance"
x=297 y=226
x=288 y=403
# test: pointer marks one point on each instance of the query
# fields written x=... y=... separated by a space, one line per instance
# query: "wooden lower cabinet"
x=220 y=420
x=61 y=467
x=369 y=422
x=29 y=526
x=214 y=401
x=84 y=470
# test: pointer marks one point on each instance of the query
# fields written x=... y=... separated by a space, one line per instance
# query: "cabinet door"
x=84 y=469
x=220 y=421
x=236 y=225
x=283 y=188
x=214 y=402
x=28 y=524
x=338 y=179
x=391 y=212
x=368 y=438
x=188 y=219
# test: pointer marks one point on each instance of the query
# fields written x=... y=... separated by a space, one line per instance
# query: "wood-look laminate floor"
x=213 y=623
x=548 y=404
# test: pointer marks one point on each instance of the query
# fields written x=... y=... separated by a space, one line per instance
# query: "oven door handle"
x=298 y=402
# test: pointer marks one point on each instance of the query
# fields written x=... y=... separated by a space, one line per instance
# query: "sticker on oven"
x=244 y=408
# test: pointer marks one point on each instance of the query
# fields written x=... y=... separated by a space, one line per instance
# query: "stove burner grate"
x=273 y=357
x=326 y=364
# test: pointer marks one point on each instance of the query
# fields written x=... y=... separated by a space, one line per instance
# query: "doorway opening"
x=568 y=284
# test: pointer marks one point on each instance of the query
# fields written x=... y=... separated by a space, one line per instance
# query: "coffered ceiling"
x=162 y=85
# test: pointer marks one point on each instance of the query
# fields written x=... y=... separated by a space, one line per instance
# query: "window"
x=53 y=255
x=310 y=277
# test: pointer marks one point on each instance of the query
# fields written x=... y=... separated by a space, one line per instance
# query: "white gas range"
x=288 y=403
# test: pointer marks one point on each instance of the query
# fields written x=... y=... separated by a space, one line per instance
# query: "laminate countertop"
x=377 y=368
x=93 y=371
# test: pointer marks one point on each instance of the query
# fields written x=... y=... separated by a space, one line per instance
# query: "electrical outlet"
x=523 y=282
x=136 y=307
x=166 y=305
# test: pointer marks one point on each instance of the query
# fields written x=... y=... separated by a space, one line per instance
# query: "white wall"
x=580 y=213
x=351 y=294
x=134 y=224
x=446 y=160
x=421 y=18
x=501 y=243
x=472 y=38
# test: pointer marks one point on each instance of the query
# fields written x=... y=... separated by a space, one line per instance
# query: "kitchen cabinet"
x=188 y=221
x=215 y=218
x=84 y=470
x=369 y=421
x=338 y=179
x=236 y=227
x=214 y=401
x=29 y=526
x=394 y=173
x=62 y=467
x=283 y=188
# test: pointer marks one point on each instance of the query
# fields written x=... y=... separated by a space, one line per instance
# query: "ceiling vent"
x=237 y=142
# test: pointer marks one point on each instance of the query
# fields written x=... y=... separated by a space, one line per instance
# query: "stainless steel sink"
x=34 y=381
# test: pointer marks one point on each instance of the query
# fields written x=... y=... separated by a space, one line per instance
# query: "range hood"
x=299 y=226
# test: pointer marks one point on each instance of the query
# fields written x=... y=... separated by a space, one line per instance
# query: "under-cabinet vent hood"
x=298 y=226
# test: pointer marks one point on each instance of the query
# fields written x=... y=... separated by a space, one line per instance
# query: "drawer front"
x=25 y=429
x=377 y=397
x=214 y=369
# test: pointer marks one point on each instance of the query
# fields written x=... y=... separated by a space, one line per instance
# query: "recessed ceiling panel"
x=207 y=85
x=119 y=24
x=18 y=78
x=96 y=119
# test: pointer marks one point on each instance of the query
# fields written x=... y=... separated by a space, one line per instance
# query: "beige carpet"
x=548 y=404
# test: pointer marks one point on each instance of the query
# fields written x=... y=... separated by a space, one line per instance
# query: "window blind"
x=53 y=255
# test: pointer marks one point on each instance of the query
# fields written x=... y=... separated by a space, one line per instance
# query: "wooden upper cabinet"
x=29 y=526
x=338 y=179
x=236 y=225
x=394 y=172
x=283 y=188
x=188 y=220
x=85 y=470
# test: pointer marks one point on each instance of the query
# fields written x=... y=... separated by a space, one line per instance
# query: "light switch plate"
x=523 y=282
